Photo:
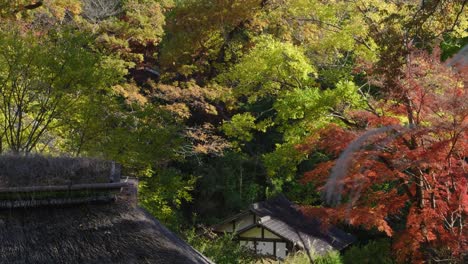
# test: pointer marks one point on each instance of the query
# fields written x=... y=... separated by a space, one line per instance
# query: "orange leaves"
x=414 y=171
x=317 y=212
x=333 y=139
x=366 y=217
x=382 y=226
x=464 y=199
x=371 y=174
x=320 y=173
x=404 y=246
x=373 y=120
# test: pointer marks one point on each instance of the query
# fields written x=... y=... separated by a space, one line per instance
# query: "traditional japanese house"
x=276 y=228
x=87 y=215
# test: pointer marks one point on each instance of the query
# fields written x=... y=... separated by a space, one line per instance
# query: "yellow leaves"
x=199 y=27
x=131 y=93
x=21 y=9
x=185 y=97
x=58 y=8
x=205 y=141
x=180 y=109
x=187 y=70
x=145 y=20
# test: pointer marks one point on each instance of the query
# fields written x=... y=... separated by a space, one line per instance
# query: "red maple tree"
x=404 y=161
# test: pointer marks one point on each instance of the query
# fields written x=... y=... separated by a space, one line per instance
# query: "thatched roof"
x=27 y=181
x=36 y=170
x=89 y=231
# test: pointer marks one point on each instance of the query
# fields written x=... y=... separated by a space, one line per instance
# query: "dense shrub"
x=221 y=249
x=302 y=258
x=376 y=251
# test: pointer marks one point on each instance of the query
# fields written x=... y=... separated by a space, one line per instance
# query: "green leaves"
x=224 y=249
x=268 y=69
x=240 y=127
x=42 y=80
x=200 y=34
x=142 y=140
x=279 y=75
x=294 y=104
x=375 y=251
x=163 y=193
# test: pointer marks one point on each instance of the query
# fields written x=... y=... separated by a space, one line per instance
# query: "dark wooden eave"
x=230 y=219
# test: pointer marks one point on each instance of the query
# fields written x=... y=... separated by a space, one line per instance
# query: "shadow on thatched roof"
x=89 y=231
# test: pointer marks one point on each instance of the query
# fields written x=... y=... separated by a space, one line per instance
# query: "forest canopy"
x=355 y=110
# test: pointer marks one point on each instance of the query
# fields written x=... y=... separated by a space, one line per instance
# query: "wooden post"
x=115 y=172
x=274 y=249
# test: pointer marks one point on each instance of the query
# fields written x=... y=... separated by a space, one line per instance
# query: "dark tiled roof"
x=280 y=216
x=116 y=232
x=227 y=220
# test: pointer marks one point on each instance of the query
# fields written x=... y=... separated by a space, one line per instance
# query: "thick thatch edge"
x=26 y=203
x=179 y=240
x=40 y=170
x=35 y=196
x=74 y=187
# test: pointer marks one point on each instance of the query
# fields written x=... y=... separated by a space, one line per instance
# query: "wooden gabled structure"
x=276 y=228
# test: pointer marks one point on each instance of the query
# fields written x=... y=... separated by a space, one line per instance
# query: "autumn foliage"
x=408 y=175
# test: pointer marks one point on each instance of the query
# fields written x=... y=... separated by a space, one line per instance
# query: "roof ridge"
x=265 y=218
